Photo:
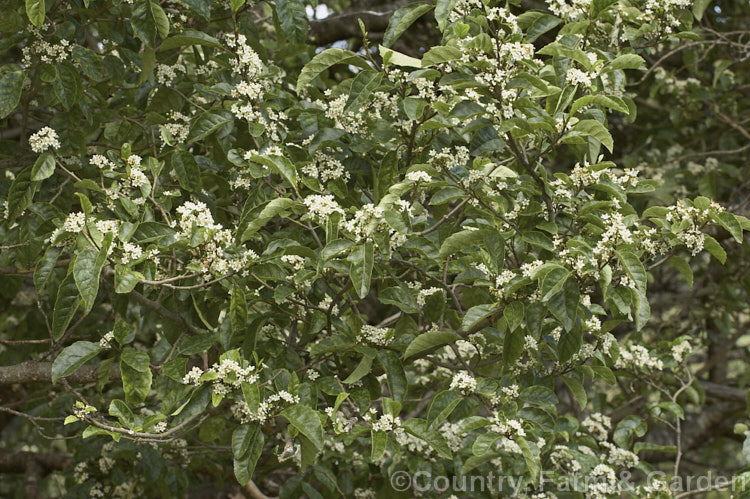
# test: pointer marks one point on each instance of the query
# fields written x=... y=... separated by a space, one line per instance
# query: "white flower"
x=321 y=207
x=193 y=377
x=418 y=176
x=576 y=76
x=44 y=139
x=376 y=335
x=74 y=222
x=463 y=382
x=106 y=341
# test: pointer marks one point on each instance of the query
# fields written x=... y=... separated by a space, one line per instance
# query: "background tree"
x=249 y=247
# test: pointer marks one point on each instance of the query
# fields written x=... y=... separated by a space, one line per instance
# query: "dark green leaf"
x=73 y=357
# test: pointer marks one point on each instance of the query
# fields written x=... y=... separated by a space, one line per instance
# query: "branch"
x=33 y=371
x=17 y=462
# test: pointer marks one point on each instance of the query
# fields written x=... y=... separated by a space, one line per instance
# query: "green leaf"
x=89 y=61
x=362 y=259
x=596 y=130
x=293 y=19
x=44 y=167
x=729 y=222
x=528 y=456
x=73 y=357
x=11 y=85
x=86 y=276
x=442 y=406
x=577 y=389
x=634 y=268
x=379 y=442
x=564 y=305
x=207 y=124
x=443 y=9
x=136 y=375
x=395 y=373
x=45 y=266
x=513 y=314
x=557 y=49
x=440 y=54
x=463 y=240
x=280 y=164
x=712 y=246
x=149 y=20
x=363 y=369
x=187 y=170
x=420 y=429
x=540 y=26
x=236 y=5
x=362 y=87
x=430 y=340
x=122 y=412
x=35 y=11
x=238 y=310
x=66 y=305
x=201 y=7
x=683 y=267
x=625 y=61
x=20 y=194
x=187 y=38
x=699 y=7
x=402 y=19
x=244 y=466
x=476 y=314
x=67 y=86
x=513 y=346
x=126 y=279
x=608 y=101
x=325 y=60
x=268 y=213
x=398 y=59
x=306 y=421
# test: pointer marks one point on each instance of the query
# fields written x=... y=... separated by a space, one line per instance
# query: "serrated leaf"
x=712 y=246
x=45 y=266
x=73 y=357
x=379 y=440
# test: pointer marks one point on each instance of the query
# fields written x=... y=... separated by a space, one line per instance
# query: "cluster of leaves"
x=314 y=269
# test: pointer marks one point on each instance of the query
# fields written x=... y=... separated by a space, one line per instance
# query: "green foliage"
x=232 y=258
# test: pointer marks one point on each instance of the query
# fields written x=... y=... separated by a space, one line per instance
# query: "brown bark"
x=41 y=372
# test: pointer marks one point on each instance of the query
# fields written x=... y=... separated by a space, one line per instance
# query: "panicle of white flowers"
x=193 y=376
x=681 y=349
x=321 y=207
x=375 y=335
x=386 y=423
x=577 y=77
x=637 y=357
x=75 y=222
x=44 y=139
x=598 y=425
x=418 y=176
x=463 y=382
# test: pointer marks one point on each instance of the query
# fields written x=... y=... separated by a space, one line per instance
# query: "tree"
x=467 y=238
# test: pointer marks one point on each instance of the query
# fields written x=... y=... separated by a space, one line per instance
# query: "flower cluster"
x=44 y=139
